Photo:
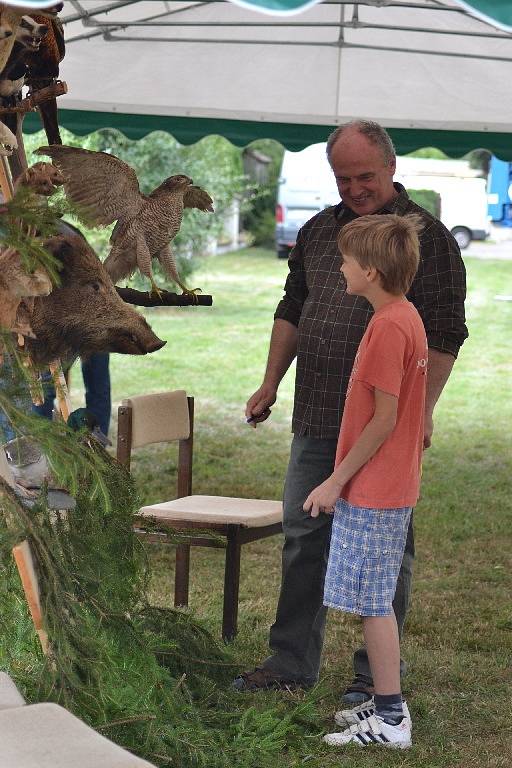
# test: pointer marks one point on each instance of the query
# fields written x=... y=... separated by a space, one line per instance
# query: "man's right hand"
x=258 y=406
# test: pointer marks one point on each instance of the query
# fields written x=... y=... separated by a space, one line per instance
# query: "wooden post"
x=28 y=576
x=5 y=180
x=61 y=389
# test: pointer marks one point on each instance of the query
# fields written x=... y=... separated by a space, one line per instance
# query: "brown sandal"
x=362 y=689
x=260 y=679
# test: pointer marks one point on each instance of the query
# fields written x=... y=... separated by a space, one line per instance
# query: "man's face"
x=364 y=178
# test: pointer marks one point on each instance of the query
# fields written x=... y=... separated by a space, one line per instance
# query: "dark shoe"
x=359 y=691
x=261 y=679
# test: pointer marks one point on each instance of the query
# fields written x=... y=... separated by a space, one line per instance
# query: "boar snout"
x=156 y=345
x=135 y=342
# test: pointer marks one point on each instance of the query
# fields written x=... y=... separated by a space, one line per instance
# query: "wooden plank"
x=25 y=564
x=61 y=389
x=5 y=180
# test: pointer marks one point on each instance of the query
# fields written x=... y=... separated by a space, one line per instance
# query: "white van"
x=307 y=185
x=463 y=194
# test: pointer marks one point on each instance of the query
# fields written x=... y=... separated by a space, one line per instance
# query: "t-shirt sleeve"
x=382 y=363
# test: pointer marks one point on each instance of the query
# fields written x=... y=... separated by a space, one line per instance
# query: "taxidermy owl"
x=107 y=190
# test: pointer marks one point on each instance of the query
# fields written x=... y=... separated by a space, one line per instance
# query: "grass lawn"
x=458 y=640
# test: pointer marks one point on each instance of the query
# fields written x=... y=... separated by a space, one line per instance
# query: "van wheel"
x=283 y=252
x=462 y=236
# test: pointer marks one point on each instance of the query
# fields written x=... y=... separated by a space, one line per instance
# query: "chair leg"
x=181 y=579
x=231 y=583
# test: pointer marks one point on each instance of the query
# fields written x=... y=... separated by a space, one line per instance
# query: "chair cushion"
x=48 y=736
x=252 y=513
x=9 y=694
x=159 y=418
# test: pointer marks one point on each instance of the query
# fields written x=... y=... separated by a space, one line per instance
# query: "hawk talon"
x=192 y=293
x=155 y=291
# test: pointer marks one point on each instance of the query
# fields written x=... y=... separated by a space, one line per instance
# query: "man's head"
x=362 y=157
x=380 y=247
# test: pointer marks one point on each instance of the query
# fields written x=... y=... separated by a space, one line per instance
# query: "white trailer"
x=307 y=185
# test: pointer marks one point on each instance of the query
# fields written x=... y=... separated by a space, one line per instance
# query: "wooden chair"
x=169 y=416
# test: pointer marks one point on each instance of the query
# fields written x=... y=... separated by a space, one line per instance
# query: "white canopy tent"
x=430 y=71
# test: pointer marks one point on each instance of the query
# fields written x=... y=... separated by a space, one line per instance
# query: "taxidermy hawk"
x=106 y=190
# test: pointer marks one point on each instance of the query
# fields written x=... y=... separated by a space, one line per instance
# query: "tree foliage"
x=259 y=215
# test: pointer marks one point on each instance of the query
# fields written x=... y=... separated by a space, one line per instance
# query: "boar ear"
x=61 y=248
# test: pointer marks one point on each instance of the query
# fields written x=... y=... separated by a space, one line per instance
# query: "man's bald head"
x=374 y=133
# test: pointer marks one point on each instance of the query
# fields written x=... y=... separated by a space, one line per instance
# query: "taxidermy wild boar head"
x=85 y=314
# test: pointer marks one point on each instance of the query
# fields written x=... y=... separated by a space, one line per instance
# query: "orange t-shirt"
x=392 y=357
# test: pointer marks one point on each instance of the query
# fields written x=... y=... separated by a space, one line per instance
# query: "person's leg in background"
x=47 y=406
x=96 y=376
x=7 y=387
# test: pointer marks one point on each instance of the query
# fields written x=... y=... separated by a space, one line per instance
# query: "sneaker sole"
x=388 y=745
x=344 y=722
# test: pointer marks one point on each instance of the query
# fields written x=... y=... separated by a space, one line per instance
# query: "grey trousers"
x=296 y=637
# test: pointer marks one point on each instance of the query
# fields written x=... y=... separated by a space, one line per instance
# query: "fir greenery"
x=153 y=680
x=24 y=215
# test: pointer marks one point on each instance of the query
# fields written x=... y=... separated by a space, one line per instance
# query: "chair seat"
x=218 y=510
x=48 y=736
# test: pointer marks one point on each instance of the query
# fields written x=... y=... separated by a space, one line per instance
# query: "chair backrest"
x=158 y=418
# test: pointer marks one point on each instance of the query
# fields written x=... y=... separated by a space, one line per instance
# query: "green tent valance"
x=295 y=137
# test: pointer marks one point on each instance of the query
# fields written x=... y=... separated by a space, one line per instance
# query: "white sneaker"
x=347 y=717
x=373 y=730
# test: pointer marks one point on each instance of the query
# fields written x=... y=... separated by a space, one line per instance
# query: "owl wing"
x=101 y=185
x=195 y=197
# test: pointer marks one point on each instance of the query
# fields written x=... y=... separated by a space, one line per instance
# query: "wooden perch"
x=166 y=299
x=30 y=103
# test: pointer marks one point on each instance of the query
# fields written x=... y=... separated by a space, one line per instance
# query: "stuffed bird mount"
x=106 y=190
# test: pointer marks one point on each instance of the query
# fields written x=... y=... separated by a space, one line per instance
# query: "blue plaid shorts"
x=367 y=547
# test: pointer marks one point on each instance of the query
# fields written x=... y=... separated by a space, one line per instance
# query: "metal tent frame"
x=429 y=70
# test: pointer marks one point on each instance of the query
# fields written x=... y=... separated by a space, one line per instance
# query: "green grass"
x=458 y=640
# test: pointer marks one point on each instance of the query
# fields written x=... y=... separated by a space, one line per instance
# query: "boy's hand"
x=323 y=498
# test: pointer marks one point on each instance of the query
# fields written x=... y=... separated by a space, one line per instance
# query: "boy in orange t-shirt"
x=376 y=478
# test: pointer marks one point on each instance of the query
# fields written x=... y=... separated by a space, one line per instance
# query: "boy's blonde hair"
x=388 y=243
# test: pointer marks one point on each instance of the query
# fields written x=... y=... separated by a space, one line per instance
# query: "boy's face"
x=355 y=275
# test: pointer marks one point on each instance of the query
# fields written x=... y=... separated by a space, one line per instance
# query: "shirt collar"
x=398 y=204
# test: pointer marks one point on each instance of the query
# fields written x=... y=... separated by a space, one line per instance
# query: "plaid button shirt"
x=331 y=323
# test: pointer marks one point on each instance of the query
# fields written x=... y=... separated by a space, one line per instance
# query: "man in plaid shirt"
x=321 y=325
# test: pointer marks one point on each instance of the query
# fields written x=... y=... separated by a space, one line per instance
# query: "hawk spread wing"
x=105 y=188
x=195 y=197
